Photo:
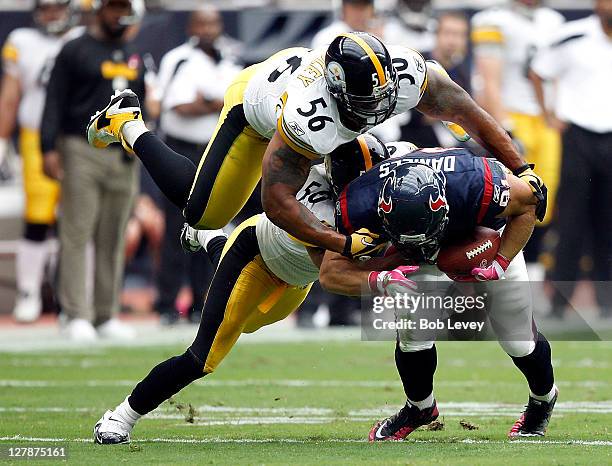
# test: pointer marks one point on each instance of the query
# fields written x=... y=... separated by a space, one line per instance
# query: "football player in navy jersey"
x=418 y=200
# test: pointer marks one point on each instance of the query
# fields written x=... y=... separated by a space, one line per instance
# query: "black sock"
x=537 y=367
x=164 y=380
x=416 y=369
x=172 y=172
x=215 y=248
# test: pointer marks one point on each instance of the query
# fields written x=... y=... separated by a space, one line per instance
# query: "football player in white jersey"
x=298 y=105
x=505 y=41
x=263 y=275
x=28 y=55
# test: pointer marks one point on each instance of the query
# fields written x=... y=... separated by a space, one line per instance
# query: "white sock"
x=126 y=413
x=30 y=265
x=132 y=130
x=549 y=396
x=204 y=236
x=423 y=404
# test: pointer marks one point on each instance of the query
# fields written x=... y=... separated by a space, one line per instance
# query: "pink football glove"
x=495 y=271
x=391 y=282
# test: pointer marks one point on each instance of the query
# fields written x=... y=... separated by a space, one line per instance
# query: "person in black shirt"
x=97 y=191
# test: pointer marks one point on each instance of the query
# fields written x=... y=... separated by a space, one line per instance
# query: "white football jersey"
x=299 y=105
x=516 y=38
x=262 y=96
x=285 y=256
x=28 y=54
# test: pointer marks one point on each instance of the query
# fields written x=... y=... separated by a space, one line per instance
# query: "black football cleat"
x=534 y=420
x=400 y=425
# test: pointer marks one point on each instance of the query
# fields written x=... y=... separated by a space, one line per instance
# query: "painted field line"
x=296 y=383
x=603 y=443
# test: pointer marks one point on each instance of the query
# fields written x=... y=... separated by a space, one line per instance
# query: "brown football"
x=476 y=250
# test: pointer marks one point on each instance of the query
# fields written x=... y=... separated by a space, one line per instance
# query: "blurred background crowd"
x=86 y=234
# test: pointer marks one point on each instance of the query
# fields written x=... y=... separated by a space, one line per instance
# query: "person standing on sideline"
x=505 y=41
x=579 y=59
x=27 y=58
x=190 y=107
x=97 y=192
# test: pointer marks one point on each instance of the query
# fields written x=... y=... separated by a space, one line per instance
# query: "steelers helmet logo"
x=336 y=74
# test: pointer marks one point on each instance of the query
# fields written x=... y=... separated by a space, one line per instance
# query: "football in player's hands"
x=458 y=258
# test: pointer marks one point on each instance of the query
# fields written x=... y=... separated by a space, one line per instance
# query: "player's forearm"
x=538 y=88
x=340 y=275
x=445 y=100
x=517 y=232
x=9 y=104
x=284 y=172
x=199 y=107
x=287 y=213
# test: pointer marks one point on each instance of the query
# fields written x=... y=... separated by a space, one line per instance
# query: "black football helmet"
x=361 y=77
x=414 y=212
x=352 y=159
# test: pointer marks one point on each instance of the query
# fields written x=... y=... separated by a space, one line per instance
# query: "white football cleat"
x=114 y=329
x=80 y=330
x=105 y=126
x=27 y=307
x=111 y=430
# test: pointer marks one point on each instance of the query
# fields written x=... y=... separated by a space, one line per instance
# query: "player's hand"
x=538 y=188
x=495 y=271
x=362 y=244
x=392 y=282
x=52 y=165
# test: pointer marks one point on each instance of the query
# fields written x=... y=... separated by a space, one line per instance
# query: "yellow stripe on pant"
x=231 y=165
x=41 y=192
x=542 y=147
x=257 y=298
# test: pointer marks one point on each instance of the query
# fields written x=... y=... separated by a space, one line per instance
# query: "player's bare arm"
x=445 y=100
x=490 y=68
x=284 y=172
x=10 y=95
x=520 y=218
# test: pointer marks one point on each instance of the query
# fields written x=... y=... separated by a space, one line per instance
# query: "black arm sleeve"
x=173 y=173
x=55 y=103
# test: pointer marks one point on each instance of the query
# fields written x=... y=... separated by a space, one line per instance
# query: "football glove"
x=362 y=244
x=495 y=271
x=392 y=282
x=539 y=189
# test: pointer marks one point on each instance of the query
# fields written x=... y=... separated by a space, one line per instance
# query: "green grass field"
x=307 y=403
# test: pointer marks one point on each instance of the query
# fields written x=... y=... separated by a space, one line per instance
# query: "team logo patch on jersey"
x=336 y=74
x=296 y=128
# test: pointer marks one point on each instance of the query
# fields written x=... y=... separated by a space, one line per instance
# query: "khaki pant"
x=97 y=193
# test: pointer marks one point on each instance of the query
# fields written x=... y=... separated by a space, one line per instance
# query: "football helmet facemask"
x=414 y=211
x=352 y=159
x=361 y=77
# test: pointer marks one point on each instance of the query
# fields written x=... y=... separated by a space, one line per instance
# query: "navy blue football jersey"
x=476 y=190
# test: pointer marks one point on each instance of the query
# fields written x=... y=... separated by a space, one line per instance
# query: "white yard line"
x=299 y=383
x=265 y=415
x=20 y=438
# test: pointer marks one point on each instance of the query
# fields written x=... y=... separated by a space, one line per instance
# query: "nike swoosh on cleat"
x=378 y=431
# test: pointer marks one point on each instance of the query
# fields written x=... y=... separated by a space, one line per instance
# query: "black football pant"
x=584 y=212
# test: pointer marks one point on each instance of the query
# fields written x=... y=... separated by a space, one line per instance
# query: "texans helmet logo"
x=438 y=204
x=385 y=206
